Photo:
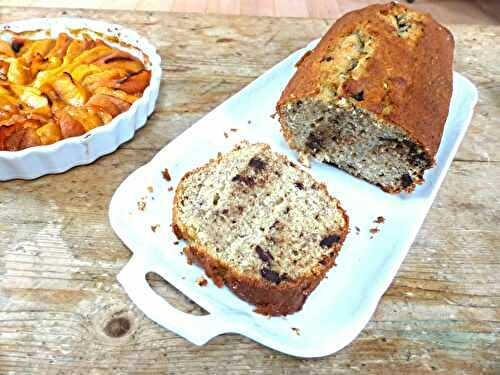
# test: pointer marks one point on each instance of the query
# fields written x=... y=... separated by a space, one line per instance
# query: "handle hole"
x=166 y=290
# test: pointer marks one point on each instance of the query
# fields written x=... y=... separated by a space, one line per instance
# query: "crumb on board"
x=201 y=281
x=141 y=205
x=379 y=220
x=150 y=189
x=296 y=331
x=170 y=188
x=166 y=174
x=155 y=227
x=176 y=243
x=273 y=116
x=226 y=135
x=233 y=129
x=374 y=230
x=357 y=229
x=304 y=160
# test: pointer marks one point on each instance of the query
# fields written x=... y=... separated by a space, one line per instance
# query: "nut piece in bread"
x=259 y=224
x=373 y=97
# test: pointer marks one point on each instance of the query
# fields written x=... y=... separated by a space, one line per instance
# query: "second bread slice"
x=259 y=224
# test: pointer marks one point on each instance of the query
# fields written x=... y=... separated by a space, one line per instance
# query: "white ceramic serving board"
x=343 y=303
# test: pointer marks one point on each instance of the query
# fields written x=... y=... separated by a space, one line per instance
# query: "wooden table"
x=62 y=310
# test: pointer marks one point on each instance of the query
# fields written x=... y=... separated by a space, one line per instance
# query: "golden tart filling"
x=52 y=89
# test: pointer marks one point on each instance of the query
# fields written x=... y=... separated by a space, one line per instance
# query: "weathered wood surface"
x=62 y=310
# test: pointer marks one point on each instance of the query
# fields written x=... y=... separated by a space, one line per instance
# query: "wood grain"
x=62 y=310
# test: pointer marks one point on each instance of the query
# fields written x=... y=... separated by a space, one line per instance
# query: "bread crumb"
x=176 y=243
x=296 y=331
x=233 y=129
x=141 y=205
x=155 y=227
x=170 y=188
x=304 y=160
x=226 y=135
x=357 y=230
x=201 y=281
x=374 y=230
x=380 y=220
x=150 y=189
x=273 y=116
x=166 y=174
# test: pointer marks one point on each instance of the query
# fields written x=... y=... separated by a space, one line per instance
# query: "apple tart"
x=52 y=89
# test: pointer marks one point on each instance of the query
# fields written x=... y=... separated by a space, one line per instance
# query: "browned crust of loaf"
x=269 y=299
x=420 y=77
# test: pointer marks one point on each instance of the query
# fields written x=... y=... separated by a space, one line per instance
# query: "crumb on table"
x=233 y=129
x=374 y=230
x=201 y=281
x=176 y=243
x=150 y=189
x=380 y=220
x=141 y=205
x=226 y=135
x=296 y=331
x=170 y=188
x=155 y=227
x=166 y=174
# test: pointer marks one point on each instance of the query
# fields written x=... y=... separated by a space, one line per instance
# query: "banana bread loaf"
x=259 y=224
x=372 y=98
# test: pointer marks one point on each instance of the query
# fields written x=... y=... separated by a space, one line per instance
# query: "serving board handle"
x=197 y=329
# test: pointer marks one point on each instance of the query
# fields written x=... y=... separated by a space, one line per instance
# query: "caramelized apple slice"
x=83 y=71
x=49 y=133
x=19 y=72
x=103 y=115
x=33 y=98
x=117 y=94
x=4 y=69
x=6 y=49
x=22 y=137
x=134 y=83
x=130 y=66
x=70 y=127
x=87 y=117
x=38 y=48
x=92 y=55
x=62 y=43
x=110 y=104
x=104 y=78
x=69 y=91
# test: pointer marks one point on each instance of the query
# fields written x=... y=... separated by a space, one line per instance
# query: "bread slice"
x=373 y=97
x=259 y=224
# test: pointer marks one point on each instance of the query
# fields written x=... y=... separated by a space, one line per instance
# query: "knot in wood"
x=117 y=327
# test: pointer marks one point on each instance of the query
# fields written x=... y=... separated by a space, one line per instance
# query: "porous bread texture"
x=261 y=225
x=373 y=96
